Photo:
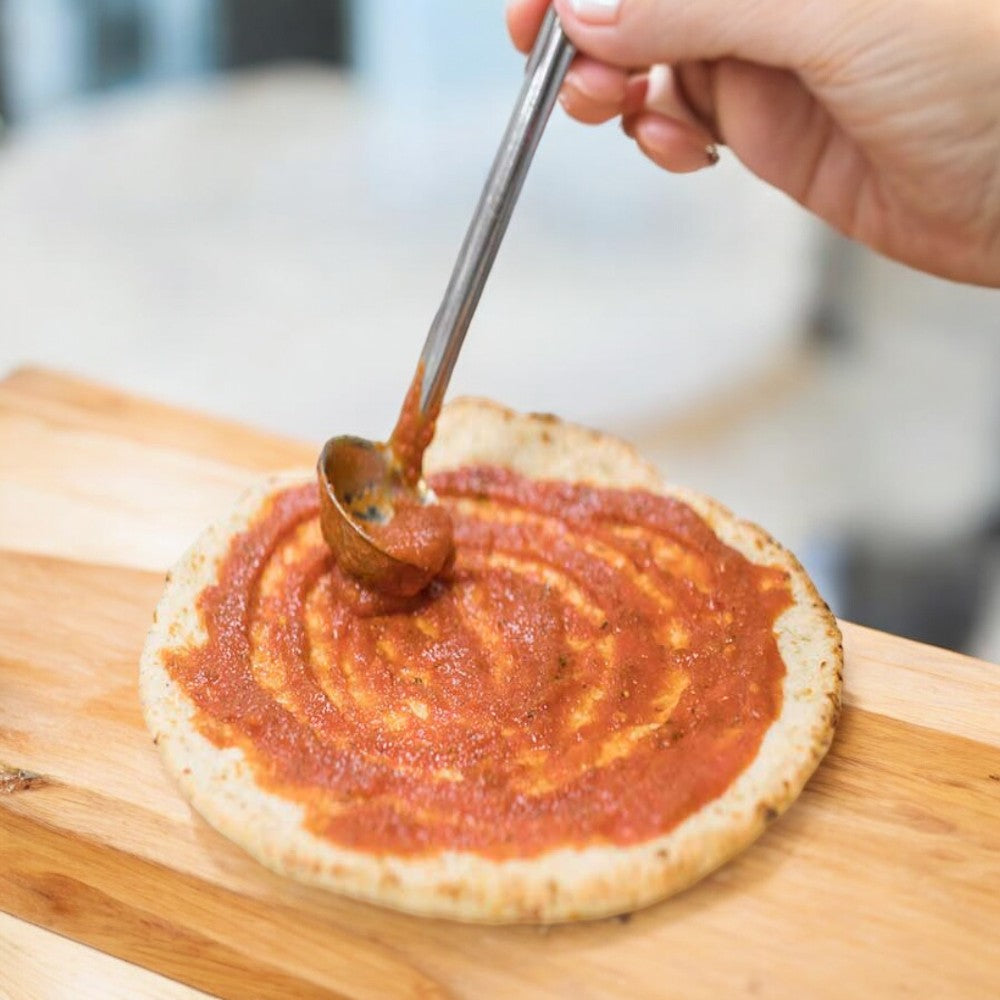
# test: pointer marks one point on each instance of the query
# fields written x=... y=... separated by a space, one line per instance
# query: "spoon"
x=377 y=514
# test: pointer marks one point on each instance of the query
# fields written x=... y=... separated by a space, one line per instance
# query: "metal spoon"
x=364 y=484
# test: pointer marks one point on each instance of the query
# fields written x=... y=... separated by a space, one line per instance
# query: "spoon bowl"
x=361 y=490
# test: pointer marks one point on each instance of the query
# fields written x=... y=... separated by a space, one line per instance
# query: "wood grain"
x=884 y=879
x=36 y=965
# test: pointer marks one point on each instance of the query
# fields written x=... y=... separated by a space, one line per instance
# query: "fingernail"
x=663 y=96
x=636 y=90
x=712 y=154
x=596 y=11
x=572 y=82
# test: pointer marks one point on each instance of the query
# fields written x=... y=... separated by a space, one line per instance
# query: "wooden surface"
x=883 y=880
x=36 y=964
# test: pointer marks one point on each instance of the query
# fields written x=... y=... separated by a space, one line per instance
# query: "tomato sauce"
x=417 y=534
x=413 y=431
x=595 y=666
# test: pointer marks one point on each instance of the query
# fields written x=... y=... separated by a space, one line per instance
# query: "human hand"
x=880 y=116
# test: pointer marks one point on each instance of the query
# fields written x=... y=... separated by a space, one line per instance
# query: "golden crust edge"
x=561 y=885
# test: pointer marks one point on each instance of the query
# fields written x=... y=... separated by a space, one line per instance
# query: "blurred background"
x=252 y=207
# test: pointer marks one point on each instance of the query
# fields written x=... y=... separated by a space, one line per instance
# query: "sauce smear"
x=413 y=431
x=417 y=534
x=594 y=667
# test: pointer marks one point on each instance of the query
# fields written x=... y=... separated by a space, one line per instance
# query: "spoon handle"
x=547 y=65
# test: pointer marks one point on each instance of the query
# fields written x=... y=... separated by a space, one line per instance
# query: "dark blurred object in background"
x=932 y=591
x=54 y=50
x=255 y=32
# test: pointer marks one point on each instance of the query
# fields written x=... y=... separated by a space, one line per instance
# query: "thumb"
x=786 y=34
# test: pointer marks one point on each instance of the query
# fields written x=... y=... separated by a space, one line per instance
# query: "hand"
x=881 y=116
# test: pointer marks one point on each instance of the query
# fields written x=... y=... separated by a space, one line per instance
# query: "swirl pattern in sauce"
x=596 y=666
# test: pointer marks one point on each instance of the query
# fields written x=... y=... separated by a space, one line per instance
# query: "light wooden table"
x=884 y=879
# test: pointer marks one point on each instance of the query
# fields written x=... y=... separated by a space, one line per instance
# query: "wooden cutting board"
x=883 y=880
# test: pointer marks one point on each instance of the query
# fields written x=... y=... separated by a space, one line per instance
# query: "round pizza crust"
x=560 y=885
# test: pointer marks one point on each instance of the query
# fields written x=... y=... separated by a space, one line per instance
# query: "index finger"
x=524 y=18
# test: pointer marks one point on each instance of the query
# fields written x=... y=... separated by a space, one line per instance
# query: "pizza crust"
x=560 y=885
